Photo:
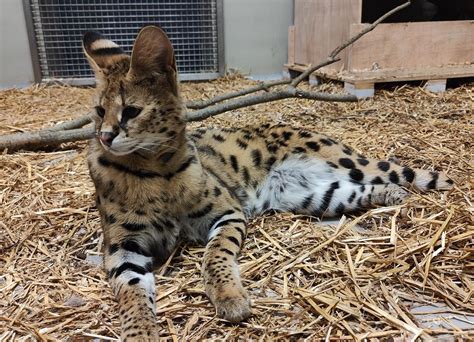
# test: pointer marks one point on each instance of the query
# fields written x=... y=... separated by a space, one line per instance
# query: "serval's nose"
x=107 y=137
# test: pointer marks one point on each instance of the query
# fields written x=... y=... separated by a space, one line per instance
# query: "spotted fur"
x=157 y=183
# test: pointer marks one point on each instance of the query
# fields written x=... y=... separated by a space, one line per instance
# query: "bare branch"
x=51 y=138
x=263 y=98
x=262 y=86
x=72 y=124
x=44 y=138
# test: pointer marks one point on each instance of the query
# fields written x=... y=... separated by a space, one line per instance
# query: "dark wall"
x=419 y=10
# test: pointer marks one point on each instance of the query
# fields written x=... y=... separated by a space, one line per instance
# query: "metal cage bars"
x=55 y=29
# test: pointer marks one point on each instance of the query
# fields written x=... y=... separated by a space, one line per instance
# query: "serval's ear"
x=153 y=54
x=101 y=52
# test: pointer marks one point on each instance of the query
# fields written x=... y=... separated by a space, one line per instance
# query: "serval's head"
x=137 y=103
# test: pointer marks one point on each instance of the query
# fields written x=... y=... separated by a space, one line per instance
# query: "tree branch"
x=290 y=92
x=262 y=86
x=44 y=138
x=76 y=123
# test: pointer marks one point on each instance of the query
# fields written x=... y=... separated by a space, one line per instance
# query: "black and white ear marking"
x=100 y=51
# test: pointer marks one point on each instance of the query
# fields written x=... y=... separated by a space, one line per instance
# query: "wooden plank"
x=291 y=45
x=322 y=25
x=412 y=46
x=378 y=76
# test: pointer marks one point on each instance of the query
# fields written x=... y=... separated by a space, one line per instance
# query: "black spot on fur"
x=266 y=205
x=347 y=163
x=202 y=212
x=299 y=150
x=326 y=201
x=340 y=209
x=434 y=180
x=409 y=174
x=331 y=164
x=287 y=135
x=209 y=150
x=307 y=202
x=158 y=226
x=383 y=165
x=305 y=134
x=347 y=150
x=246 y=175
x=218 y=217
x=182 y=168
x=272 y=148
x=133 y=281
x=256 y=158
x=167 y=156
x=326 y=142
x=113 y=248
x=313 y=145
x=234 y=163
x=196 y=136
x=133 y=246
x=217 y=191
x=134 y=227
x=356 y=175
x=110 y=219
x=376 y=180
x=234 y=241
x=226 y=251
x=351 y=197
x=269 y=162
x=122 y=168
x=218 y=137
x=393 y=177
x=242 y=144
x=363 y=161
x=128 y=266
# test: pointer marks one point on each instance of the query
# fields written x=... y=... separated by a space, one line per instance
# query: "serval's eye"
x=100 y=111
x=130 y=112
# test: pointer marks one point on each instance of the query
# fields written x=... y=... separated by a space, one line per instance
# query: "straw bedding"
x=358 y=278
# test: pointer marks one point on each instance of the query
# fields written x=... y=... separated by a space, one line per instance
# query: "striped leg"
x=131 y=278
x=220 y=269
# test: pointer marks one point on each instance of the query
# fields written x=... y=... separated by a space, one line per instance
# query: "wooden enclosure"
x=432 y=51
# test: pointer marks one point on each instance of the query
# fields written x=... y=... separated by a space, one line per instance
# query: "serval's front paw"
x=231 y=304
x=233 y=309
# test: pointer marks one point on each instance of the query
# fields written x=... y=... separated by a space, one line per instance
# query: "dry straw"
x=356 y=279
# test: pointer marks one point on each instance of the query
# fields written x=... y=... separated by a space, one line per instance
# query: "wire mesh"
x=60 y=24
